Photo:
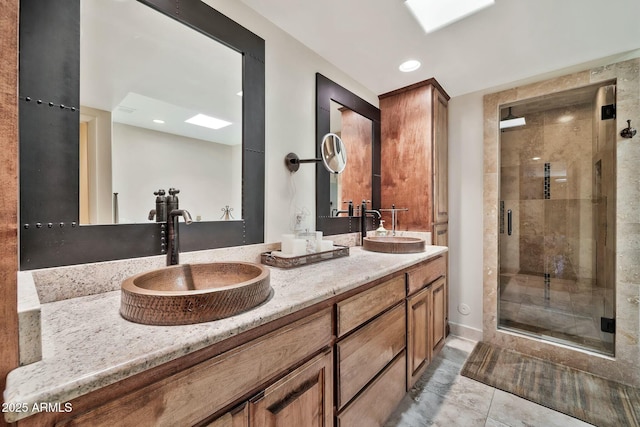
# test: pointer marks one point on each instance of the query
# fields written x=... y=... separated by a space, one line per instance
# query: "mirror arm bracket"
x=292 y=161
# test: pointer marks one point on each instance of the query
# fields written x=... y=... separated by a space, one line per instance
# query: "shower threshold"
x=580 y=343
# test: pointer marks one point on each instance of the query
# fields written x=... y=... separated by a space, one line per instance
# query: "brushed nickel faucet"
x=173 y=250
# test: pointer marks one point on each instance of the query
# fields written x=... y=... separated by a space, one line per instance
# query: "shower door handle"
x=509 y=222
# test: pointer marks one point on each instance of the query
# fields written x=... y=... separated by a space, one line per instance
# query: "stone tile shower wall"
x=625 y=366
x=550 y=196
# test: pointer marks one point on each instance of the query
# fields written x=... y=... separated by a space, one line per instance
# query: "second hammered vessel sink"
x=394 y=244
x=194 y=293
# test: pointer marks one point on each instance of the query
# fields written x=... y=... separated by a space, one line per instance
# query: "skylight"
x=207 y=121
x=435 y=14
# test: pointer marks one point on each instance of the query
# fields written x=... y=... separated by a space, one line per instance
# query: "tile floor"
x=442 y=397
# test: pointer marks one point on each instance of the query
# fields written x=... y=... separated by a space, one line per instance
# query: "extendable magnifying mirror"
x=334 y=155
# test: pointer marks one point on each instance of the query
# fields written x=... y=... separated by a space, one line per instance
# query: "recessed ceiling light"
x=410 y=65
x=535 y=158
x=239 y=93
x=158 y=121
x=435 y=14
x=207 y=121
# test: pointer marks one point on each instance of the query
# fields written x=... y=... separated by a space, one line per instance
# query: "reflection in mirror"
x=334 y=153
x=354 y=184
x=140 y=92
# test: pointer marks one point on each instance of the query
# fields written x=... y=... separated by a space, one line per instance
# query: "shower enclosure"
x=557 y=218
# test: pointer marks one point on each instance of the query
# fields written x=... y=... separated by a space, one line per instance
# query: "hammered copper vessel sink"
x=394 y=244
x=194 y=293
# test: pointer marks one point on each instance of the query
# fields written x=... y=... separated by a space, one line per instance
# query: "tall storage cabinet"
x=415 y=154
x=415 y=165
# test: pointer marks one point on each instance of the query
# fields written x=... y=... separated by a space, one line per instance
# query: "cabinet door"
x=418 y=335
x=438 y=312
x=440 y=158
x=441 y=238
x=238 y=417
x=302 y=398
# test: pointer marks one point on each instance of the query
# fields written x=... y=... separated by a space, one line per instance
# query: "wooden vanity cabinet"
x=347 y=362
x=426 y=316
x=195 y=394
x=362 y=355
x=370 y=354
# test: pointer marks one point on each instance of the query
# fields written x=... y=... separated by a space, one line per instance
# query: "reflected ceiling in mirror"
x=355 y=182
x=143 y=77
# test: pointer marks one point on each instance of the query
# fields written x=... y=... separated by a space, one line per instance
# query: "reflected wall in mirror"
x=354 y=184
x=139 y=81
x=49 y=127
x=357 y=122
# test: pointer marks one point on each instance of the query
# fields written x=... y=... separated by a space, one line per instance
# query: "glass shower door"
x=557 y=184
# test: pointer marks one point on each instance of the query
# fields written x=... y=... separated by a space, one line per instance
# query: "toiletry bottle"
x=381 y=231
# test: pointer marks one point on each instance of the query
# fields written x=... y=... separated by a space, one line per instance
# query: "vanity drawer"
x=356 y=310
x=425 y=274
x=378 y=401
x=367 y=351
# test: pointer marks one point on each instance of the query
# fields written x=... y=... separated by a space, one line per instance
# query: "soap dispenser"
x=381 y=231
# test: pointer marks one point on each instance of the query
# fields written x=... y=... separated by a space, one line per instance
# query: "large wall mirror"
x=111 y=93
x=340 y=111
x=171 y=99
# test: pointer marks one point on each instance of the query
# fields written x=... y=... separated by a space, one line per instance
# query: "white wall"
x=465 y=213
x=290 y=115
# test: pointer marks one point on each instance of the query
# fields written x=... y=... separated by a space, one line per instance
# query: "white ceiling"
x=509 y=41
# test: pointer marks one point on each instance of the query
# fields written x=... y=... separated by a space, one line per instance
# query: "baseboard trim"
x=464 y=331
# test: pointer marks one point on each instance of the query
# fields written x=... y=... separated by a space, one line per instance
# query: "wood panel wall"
x=407 y=169
x=355 y=181
x=9 y=185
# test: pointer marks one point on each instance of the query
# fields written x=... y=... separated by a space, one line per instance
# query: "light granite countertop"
x=86 y=345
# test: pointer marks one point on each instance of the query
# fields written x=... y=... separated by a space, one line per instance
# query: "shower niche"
x=557 y=217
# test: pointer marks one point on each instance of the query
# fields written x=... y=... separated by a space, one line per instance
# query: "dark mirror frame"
x=327 y=90
x=50 y=234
